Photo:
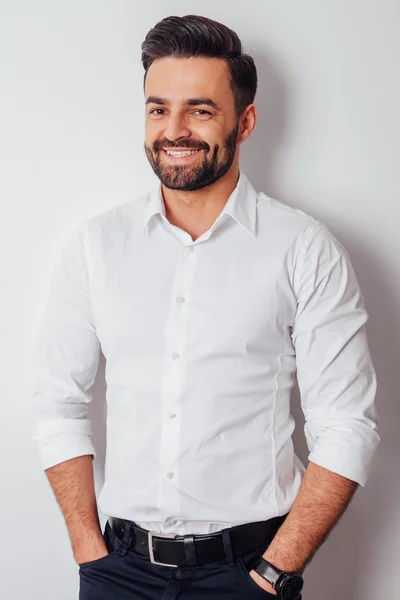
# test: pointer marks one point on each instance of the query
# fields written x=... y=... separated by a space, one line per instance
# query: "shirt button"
x=170 y=475
x=180 y=299
x=172 y=414
x=175 y=356
x=191 y=248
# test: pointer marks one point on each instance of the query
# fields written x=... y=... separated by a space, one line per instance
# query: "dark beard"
x=195 y=178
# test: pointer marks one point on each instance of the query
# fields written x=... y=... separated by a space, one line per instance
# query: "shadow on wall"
x=352 y=550
x=350 y=558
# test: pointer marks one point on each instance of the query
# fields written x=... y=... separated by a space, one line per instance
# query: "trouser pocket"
x=244 y=564
x=112 y=542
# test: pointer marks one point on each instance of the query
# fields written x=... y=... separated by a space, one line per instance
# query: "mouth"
x=183 y=155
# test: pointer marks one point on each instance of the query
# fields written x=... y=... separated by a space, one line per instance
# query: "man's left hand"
x=262 y=582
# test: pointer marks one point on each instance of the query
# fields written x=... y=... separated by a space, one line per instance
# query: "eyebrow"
x=187 y=101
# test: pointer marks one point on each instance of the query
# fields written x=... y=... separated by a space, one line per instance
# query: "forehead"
x=176 y=78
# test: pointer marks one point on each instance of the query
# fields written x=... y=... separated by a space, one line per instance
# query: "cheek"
x=152 y=132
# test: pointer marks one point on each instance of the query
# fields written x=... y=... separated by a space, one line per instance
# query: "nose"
x=177 y=128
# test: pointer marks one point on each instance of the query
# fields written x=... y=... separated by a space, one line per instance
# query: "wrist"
x=261 y=582
x=82 y=539
x=284 y=562
x=91 y=549
x=288 y=585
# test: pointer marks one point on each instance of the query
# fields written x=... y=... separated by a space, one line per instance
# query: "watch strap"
x=288 y=586
x=268 y=571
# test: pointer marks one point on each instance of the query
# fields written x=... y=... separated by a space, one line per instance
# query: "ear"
x=248 y=122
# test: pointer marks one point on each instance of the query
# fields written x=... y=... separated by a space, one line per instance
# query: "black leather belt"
x=189 y=550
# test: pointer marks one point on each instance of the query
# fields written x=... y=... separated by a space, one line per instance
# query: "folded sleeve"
x=65 y=357
x=335 y=374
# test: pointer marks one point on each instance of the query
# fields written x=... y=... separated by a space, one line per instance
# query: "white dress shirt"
x=202 y=341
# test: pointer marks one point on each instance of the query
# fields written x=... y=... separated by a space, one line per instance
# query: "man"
x=206 y=298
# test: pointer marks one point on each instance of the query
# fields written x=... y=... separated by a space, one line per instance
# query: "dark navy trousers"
x=127 y=575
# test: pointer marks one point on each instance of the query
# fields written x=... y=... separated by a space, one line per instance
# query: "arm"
x=73 y=486
x=322 y=499
x=65 y=359
x=337 y=386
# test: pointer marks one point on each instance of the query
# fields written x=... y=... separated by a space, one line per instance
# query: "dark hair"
x=193 y=35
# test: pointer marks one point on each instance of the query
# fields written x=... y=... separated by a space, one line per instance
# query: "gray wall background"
x=327 y=141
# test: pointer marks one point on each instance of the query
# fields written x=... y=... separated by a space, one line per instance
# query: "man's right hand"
x=90 y=551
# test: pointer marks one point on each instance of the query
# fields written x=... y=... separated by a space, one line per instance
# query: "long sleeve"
x=66 y=354
x=335 y=373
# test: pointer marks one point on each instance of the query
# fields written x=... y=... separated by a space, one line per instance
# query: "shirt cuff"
x=64 y=446
x=347 y=451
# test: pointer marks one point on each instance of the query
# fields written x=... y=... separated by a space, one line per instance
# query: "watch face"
x=291 y=587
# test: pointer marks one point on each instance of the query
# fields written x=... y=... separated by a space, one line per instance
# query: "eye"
x=156 y=113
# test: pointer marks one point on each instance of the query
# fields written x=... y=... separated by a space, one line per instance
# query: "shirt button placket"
x=176 y=328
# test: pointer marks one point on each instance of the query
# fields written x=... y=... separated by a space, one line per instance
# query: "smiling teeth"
x=178 y=154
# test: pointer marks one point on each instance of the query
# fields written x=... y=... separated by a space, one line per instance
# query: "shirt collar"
x=241 y=205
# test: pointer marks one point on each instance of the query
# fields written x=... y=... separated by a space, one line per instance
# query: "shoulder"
x=129 y=214
x=113 y=225
x=286 y=222
x=282 y=213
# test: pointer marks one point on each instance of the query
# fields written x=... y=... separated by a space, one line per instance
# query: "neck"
x=195 y=212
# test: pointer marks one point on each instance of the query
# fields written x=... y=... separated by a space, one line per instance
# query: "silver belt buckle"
x=150 y=535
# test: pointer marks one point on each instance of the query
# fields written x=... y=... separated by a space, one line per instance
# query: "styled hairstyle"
x=196 y=36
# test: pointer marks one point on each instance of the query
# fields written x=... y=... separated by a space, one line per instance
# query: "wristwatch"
x=288 y=586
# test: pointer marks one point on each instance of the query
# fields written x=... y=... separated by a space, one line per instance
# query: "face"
x=190 y=107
